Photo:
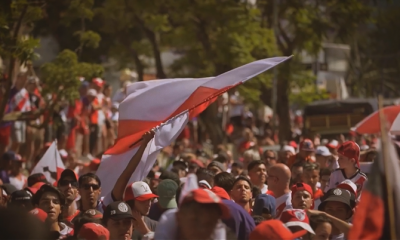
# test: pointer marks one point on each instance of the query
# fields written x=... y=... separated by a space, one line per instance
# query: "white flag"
x=50 y=164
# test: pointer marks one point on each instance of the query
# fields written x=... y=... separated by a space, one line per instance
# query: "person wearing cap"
x=257 y=172
x=52 y=201
x=322 y=155
x=241 y=193
x=274 y=230
x=198 y=217
x=297 y=221
x=91 y=231
x=265 y=206
x=35 y=178
x=21 y=199
x=333 y=146
x=287 y=152
x=302 y=196
x=216 y=167
x=310 y=176
x=68 y=185
x=17 y=178
x=89 y=188
x=137 y=195
x=166 y=191
x=337 y=206
x=118 y=220
x=304 y=155
x=270 y=158
x=278 y=186
x=349 y=154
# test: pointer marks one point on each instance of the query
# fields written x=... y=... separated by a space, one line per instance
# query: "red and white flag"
x=113 y=165
x=50 y=164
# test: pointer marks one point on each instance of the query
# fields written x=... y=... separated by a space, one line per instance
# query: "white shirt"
x=264 y=189
x=282 y=203
x=17 y=183
x=338 y=176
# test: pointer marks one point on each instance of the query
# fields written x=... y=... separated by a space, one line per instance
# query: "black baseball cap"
x=21 y=195
x=338 y=195
x=117 y=210
x=68 y=173
x=35 y=178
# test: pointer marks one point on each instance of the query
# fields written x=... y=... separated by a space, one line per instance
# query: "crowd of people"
x=309 y=189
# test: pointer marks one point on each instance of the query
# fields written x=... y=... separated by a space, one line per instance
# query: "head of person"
x=338 y=203
x=107 y=90
x=199 y=214
x=93 y=231
x=36 y=178
x=257 y=172
x=265 y=206
x=322 y=155
x=349 y=155
x=311 y=174
x=297 y=221
x=287 y=152
x=68 y=185
x=98 y=84
x=180 y=170
x=306 y=148
x=270 y=157
x=138 y=196
x=278 y=177
x=236 y=169
x=297 y=172
x=91 y=94
x=21 y=199
x=31 y=84
x=223 y=158
x=207 y=176
x=166 y=190
x=324 y=176
x=322 y=227
x=170 y=175
x=15 y=162
x=216 y=167
x=20 y=82
x=332 y=146
x=241 y=191
x=51 y=201
x=224 y=180
x=302 y=196
x=273 y=230
x=118 y=220
x=89 y=189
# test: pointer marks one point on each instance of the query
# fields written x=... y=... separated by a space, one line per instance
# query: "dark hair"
x=258 y=219
x=224 y=180
x=205 y=174
x=177 y=168
x=49 y=188
x=315 y=220
x=151 y=175
x=297 y=164
x=325 y=172
x=253 y=164
x=193 y=205
x=237 y=164
x=87 y=177
x=242 y=178
x=222 y=157
x=311 y=166
x=170 y=175
x=255 y=191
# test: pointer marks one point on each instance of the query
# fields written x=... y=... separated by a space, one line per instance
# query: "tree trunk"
x=139 y=66
x=282 y=106
x=211 y=122
x=156 y=53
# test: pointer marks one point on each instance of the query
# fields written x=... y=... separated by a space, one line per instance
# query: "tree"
x=303 y=26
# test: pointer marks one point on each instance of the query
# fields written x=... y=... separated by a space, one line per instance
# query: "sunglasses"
x=64 y=183
x=93 y=186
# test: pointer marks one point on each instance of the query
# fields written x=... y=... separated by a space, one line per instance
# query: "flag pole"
x=385 y=150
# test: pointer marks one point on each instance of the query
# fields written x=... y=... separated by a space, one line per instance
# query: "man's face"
x=269 y=158
x=272 y=181
x=120 y=229
x=69 y=187
x=50 y=203
x=143 y=206
x=305 y=154
x=297 y=172
x=241 y=192
x=286 y=155
x=321 y=160
x=90 y=191
x=324 y=181
x=338 y=210
x=302 y=200
x=236 y=171
x=311 y=177
x=258 y=175
x=197 y=222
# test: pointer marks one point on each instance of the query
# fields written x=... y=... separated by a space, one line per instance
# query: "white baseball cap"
x=92 y=92
x=323 y=151
x=138 y=191
x=333 y=144
x=288 y=148
x=348 y=185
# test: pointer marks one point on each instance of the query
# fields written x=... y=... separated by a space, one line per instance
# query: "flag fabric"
x=190 y=185
x=50 y=164
x=371 y=218
x=150 y=103
x=112 y=166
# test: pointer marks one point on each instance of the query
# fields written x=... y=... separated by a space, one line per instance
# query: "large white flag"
x=112 y=166
x=50 y=164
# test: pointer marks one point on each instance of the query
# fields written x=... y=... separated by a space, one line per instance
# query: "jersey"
x=283 y=202
x=317 y=198
x=338 y=176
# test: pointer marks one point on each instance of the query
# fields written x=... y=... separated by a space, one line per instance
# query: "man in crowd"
x=257 y=172
x=90 y=190
x=241 y=193
x=306 y=150
x=278 y=186
x=68 y=185
x=118 y=220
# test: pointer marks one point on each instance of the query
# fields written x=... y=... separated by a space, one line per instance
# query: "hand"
x=148 y=136
x=314 y=212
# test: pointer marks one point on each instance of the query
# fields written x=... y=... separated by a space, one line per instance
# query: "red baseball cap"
x=93 y=213
x=93 y=231
x=307 y=145
x=220 y=192
x=98 y=82
x=350 y=150
x=207 y=197
x=139 y=191
x=298 y=218
x=273 y=230
x=348 y=185
x=35 y=187
x=39 y=213
x=301 y=187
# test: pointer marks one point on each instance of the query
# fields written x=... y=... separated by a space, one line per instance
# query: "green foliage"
x=61 y=75
x=306 y=95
